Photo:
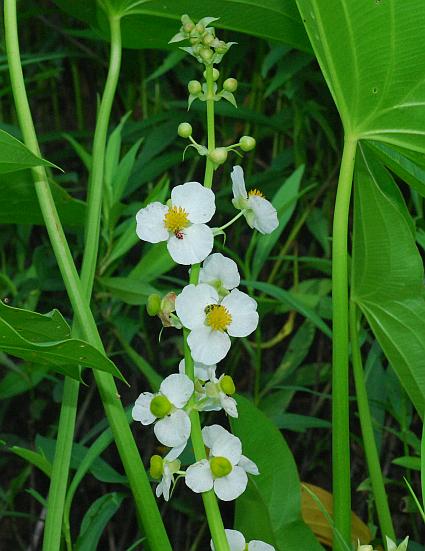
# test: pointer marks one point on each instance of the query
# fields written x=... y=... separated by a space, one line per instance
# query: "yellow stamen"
x=176 y=219
x=256 y=192
x=218 y=317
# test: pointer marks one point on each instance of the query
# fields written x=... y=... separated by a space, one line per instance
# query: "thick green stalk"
x=144 y=500
x=212 y=510
x=372 y=457
x=340 y=400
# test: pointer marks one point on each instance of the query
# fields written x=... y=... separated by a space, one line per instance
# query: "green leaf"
x=284 y=202
x=160 y=20
x=408 y=462
x=387 y=275
x=19 y=382
x=129 y=290
x=96 y=519
x=371 y=55
x=14 y=155
x=35 y=458
x=155 y=262
x=261 y=513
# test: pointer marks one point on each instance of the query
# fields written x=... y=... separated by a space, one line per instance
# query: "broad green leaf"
x=371 y=55
x=387 y=275
x=154 y=263
x=284 y=201
x=160 y=19
x=261 y=513
x=35 y=458
x=95 y=520
x=19 y=382
x=14 y=155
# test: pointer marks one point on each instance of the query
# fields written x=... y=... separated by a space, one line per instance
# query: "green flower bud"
x=188 y=27
x=186 y=20
x=221 y=47
x=227 y=385
x=230 y=85
x=218 y=155
x=247 y=143
x=206 y=54
x=160 y=406
x=216 y=74
x=153 y=305
x=156 y=466
x=207 y=38
x=194 y=87
x=184 y=130
x=194 y=40
x=199 y=28
x=220 y=466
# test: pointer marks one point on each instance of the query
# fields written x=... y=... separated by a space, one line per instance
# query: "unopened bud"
x=207 y=38
x=230 y=85
x=153 y=305
x=186 y=20
x=188 y=27
x=156 y=466
x=221 y=47
x=194 y=87
x=206 y=54
x=184 y=130
x=194 y=40
x=247 y=143
x=215 y=72
x=218 y=155
x=199 y=28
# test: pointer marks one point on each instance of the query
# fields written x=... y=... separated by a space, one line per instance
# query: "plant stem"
x=372 y=457
x=212 y=510
x=144 y=500
x=340 y=401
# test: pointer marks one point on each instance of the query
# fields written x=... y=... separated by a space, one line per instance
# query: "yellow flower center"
x=160 y=406
x=176 y=219
x=220 y=466
x=218 y=317
x=256 y=192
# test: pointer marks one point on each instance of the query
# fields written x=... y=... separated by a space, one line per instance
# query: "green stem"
x=369 y=442
x=139 y=483
x=212 y=510
x=340 y=401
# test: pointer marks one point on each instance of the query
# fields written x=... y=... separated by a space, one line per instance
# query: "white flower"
x=238 y=543
x=225 y=469
x=202 y=371
x=173 y=427
x=216 y=393
x=211 y=321
x=220 y=272
x=260 y=213
x=182 y=224
x=165 y=468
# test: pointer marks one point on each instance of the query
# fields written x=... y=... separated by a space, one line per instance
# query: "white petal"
x=173 y=430
x=265 y=215
x=174 y=452
x=202 y=371
x=178 y=388
x=248 y=465
x=150 y=223
x=242 y=308
x=235 y=540
x=191 y=304
x=195 y=244
x=208 y=346
x=212 y=433
x=238 y=183
x=142 y=409
x=231 y=486
x=197 y=200
x=229 y=446
x=229 y=405
x=217 y=267
x=257 y=545
x=199 y=477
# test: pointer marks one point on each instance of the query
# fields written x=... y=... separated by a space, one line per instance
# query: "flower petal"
x=257 y=545
x=173 y=430
x=218 y=267
x=208 y=346
x=229 y=446
x=178 y=388
x=150 y=223
x=197 y=200
x=212 y=433
x=265 y=215
x=142 y=409
x=229 y=405
x=248 y=465
x=191 y=303
x=174 y=452
x=199 y=477
x=202 y=371
x=235 y=540
x=231 y=486
x=238 y=183
x=243 y=310
x=195 y=244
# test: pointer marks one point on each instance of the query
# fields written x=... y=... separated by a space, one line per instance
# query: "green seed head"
x=220 y=466
x=153 y=305
x=218 y=155
x=160 y=406
x=184 y=130
x=230 y=85
x=156 y=467
x=247 y=143
x=206 y=54
x=216 y=74
x=194 y=87
x=227 y=385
